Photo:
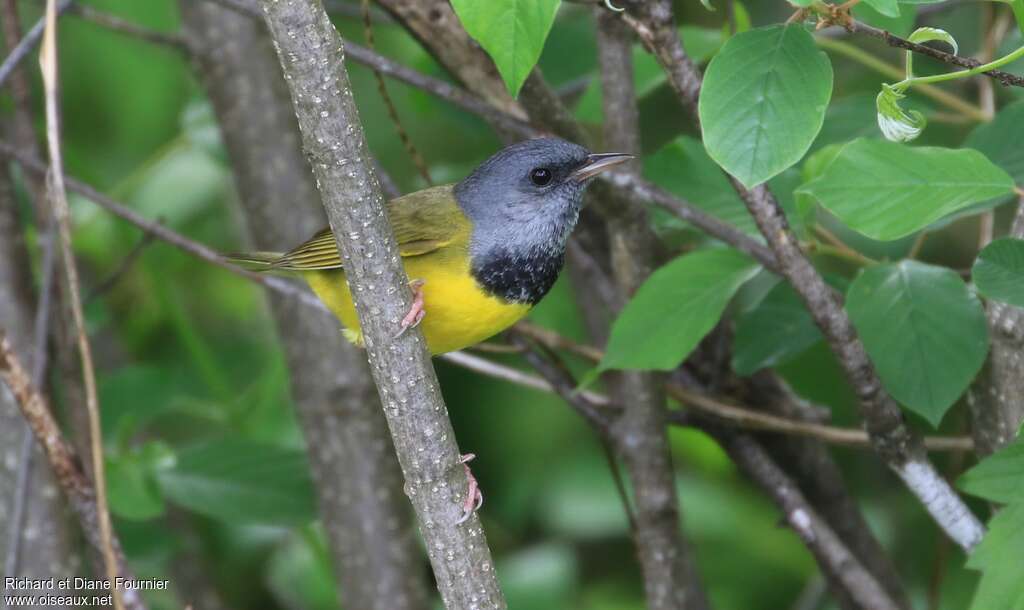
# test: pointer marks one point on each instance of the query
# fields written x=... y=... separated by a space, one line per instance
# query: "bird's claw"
x=474 y=497
x=416 y=311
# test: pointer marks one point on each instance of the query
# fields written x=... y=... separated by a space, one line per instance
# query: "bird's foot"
x=416 y=311
x=474 y=497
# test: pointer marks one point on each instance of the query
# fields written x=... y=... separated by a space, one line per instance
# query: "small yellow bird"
x=479 y=254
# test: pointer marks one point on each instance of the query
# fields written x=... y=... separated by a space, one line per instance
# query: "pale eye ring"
x=540 y=176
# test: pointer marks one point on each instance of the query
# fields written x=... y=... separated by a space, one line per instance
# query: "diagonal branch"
x=828 y=549
x=367 y=522
x=639 y=434
x=718 y=407
x=312 y=58
x=66 y=466
x=62 y=214
x=1006 y=78
x=899 y=447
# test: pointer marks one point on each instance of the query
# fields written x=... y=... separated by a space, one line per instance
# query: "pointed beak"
x=597 y=163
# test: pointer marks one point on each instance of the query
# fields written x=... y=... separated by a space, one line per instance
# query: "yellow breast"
x=458 y=312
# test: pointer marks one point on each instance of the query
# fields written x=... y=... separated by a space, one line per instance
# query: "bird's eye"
x=540 y=176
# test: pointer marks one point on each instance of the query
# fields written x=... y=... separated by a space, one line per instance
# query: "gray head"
x=523 y=203
x=529 y=193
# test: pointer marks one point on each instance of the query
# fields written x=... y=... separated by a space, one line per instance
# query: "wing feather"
x=423 y=222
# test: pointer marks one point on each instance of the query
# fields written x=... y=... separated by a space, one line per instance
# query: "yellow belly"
x=458 y=312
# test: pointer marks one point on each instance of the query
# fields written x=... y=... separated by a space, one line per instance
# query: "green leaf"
x=774 y=332
x=764 y=100
x=999 y=271
x=675 y=308
x=924 y=330
x=999 y=558
x=1000 y=141
x=684 y=169
x=511 y=31
x=886 y=190
x=897 y=124
x=889 y=8
x=999 y=477
x=814 y=166
x=131 y=484
x=242 y=481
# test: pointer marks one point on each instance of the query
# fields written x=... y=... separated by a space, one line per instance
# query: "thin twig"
x=382 y=88
x=26 y=44
x=868 y=60
x=165 y=234
x=128 y=28
x=900 y=448
x=452 y=93
x=122 y=268
x=39 y=362
x=735 y=415
x=828 y=549
x=62 y=214
x=741 y=416
x=66 y=466
x=1006 y=78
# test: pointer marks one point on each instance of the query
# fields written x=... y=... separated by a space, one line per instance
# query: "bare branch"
x=900 y=448
x=62 y=214
x=79 y=491
x=831 y=554
x=1005 y=78
x=639 y=434
x=311 y=55
x=995 y=398
x=367 y=522
x=26 y=44
x=128 y=28
x=163 y=233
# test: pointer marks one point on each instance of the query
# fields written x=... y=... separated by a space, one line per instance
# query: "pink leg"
x=474 y=497
x=416 y=311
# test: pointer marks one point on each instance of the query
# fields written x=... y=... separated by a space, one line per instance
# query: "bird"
x=479 y=254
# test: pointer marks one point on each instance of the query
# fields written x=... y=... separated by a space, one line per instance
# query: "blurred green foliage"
x=204 y=455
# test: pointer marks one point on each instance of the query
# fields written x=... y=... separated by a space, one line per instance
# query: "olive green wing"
x=423 y=222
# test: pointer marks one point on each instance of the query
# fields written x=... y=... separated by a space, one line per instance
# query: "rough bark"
x=811 y=466
x=367 y=522
x=901 y=449
x=640 y=434
x=312 y=58
x=835 y=559
x=996 y=400
x=456 y=51
x=43 y=540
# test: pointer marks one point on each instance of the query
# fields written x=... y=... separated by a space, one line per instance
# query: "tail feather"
x=255 y=261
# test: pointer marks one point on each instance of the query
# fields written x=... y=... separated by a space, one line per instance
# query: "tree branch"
x=62 y=214
x=639 y=434
x=994 y=399
x=26 y=44
x=359 y=484
x=27 y=483
x=828 y=549
x=65 y=464
x=902 y=450
x=311 y=55
x=742 y=417
x=1006 y=78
